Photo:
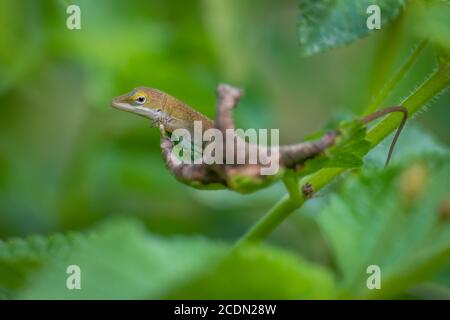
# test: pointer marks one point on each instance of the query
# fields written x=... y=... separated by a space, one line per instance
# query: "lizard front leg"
x=164 y=120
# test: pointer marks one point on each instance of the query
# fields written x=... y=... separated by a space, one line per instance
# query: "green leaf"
x=21 y=40
x=414 y=143
x=122 y=261
x=430 y=20
x=256 y=272
x=118 y=260
x=326 y=24
x=346 y=153
x=390 y=219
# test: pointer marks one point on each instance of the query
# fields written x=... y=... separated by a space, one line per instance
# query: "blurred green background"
x=69 y=160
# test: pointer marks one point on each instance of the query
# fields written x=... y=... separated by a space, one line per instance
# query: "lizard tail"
x=383 y=112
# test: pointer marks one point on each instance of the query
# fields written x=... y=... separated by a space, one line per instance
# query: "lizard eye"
x=158 y=110
x=140 y=99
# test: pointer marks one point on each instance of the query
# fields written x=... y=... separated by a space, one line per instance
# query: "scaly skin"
x=161 y=108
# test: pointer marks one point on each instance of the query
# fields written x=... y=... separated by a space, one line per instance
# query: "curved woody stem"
x=438 y=81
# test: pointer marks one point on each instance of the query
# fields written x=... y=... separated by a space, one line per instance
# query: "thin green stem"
x=385 y=55
x=387 y=89
x=280 y=211
x=438 y=81
x=291 y=182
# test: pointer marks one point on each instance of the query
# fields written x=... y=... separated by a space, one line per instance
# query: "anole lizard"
x=170 y=114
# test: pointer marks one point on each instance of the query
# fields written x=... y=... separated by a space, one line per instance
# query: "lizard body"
x=161 y=108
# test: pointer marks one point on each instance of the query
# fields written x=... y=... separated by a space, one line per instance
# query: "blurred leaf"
x=121 y=261
x=431 y=291
x=117 y=261
x=21 y=40
x=431 y=20
x=326 y=24
x=390 y=219
x=257 y=272
x=444 y=277
x=413 y=143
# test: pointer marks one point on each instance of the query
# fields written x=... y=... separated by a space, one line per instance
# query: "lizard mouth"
x=122 y=105
x=142 y=111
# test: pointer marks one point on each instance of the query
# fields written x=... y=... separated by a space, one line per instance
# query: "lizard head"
x=142 y=101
